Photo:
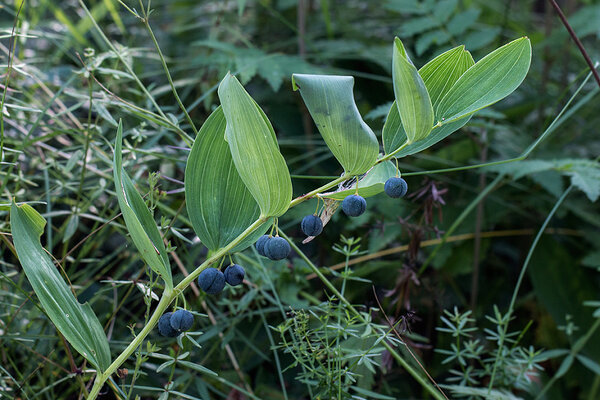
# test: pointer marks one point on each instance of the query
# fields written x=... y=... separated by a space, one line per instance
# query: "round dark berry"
x=354 y=205
x=164 y=326
x=260 y=244
x=395 y=187
x=277 y=248
x=311 y=225
x=181 y=320
x=234 y=274
x=211 y=280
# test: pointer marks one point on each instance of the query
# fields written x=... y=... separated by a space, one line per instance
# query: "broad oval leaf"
x=254 y=149
x=330 y=101
x=219 y=205
x=139 y=220
x=412 y=98
x=370 y=185
x=491 y=79
x=77 y=322
x=439 y=75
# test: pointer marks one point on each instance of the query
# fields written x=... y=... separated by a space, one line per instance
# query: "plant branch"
x=587 y=58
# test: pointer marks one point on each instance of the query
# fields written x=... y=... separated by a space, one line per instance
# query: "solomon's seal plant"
x=395 y=187
x=237 y=185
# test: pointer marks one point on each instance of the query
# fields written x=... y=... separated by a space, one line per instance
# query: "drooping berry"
x=211 y=280
x=234 y=274
x=181 y=320
x=164 y=326
x=311 y=225
x=354 y=205
x=260 y=244
x=395 y=187
x=277 y=248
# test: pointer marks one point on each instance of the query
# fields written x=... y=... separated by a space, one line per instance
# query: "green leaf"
x=412 y=98
x=370 y=185
x=254 y=149
x=219 y=205
x=330 y=101
x=589 y=363
x=139 y=220
x=491 y=79
x=77 y=322
x=439 y=75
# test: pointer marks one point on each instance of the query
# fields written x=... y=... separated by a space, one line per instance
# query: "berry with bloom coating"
x=311 y=225
x=277 y=248
x=260 y=244
x=181 y=320
x=211 y=280
x=164 y=326
x=354 y=205
x=395 y=187
x=234 y=274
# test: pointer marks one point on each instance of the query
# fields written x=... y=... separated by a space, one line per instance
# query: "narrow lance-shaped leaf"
x=77 y=322
x=219 y=205
x=139 y=220
x=254 y=149
x=370 y=185
x=491 y=79
x=330 y=101
x=412 y=98
x=439 y=75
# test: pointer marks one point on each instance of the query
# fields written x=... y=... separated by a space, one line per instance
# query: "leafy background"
x=57 y=152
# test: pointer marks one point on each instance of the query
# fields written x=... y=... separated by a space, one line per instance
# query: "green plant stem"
x=393 y=153
x=520 y=280
x=168 y=74
x=422 y=381
x=167 y=297
x=309 y=195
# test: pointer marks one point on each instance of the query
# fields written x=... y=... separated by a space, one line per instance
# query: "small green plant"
x=471 y=356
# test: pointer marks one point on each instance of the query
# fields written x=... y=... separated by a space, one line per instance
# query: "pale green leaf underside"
x=370 y=185
x=139 y=220
x=330 y=101
x=491 y=79
x=219 y=205
x=77 y=322
x=438 y=75
x=254 y=149
x=412 y=99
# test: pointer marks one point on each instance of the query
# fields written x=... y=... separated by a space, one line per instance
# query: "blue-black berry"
x=234 y=274
x=164 y=326
x=354 y=205
x=395 y=187
x=311 y=225
x=277 y=248
x=211 y=280
x=260 y=244
x=181 y=320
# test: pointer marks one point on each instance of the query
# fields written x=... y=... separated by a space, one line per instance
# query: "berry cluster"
x=273 y=247
x=212 y=280
x=171 y=324
x=353 y=206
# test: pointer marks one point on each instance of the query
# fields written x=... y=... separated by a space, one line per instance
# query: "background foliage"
x=71 y=81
